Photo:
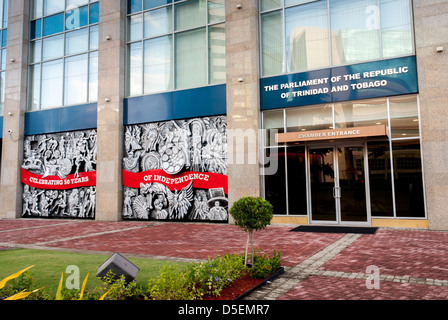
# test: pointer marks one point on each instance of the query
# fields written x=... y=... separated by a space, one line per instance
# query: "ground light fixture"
x=120 y=266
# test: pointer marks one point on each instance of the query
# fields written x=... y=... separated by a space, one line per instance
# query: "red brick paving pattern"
x=329 y=288
x=421 y=254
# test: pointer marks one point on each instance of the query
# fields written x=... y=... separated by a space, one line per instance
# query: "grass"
x=48 y=266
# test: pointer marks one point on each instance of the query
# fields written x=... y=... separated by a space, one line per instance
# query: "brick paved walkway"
x=411 y=264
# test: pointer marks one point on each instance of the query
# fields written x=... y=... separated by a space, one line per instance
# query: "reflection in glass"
x=275 y=184
x=53 y=47
x=135 y=27
x=307 y=45
x=189 y=14
x=270 y=4
x=76 y=79
x=381 y=202
x=135 y=65
x=53 y=6
x=93 y=76
x=53 y=24
x=158 y=22
x=319 y=117
x=77 y=41
x=272 y=43
x=408 y=178
x=34 y=81
x=296 y=181
x=35 y=51
x=323 y=204
x=217 y=54
x=52 y=84
x=404 y=116
x=396 y=28
x=191 y=59
x=216 y=11
x=360 y=113
x=352 y=183
x=272 y=120
x=158 y=67
x=355 y=31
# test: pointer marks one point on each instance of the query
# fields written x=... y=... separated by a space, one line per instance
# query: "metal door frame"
x=337 y=187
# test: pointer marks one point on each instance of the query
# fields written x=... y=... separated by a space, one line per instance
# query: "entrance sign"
x=333 y=134
x=360 y=81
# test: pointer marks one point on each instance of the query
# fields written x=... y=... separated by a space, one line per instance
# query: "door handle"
x=336 y=192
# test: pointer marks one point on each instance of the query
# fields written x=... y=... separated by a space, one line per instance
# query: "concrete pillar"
x=14 y=110
x=111 y=90
x=431 y=25
x=243 y=103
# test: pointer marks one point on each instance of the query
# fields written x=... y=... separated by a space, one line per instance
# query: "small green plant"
x=265 y=264
x=118 y=289
x=251 y=214
x=170 y=284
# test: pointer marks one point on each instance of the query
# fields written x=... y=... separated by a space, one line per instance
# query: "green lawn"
x=48 y=266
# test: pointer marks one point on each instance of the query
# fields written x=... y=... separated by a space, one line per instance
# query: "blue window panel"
x=4 y=37
x=150 y=108
x=134 y=6
x=53 y=24
x=148 y=4
x=1 y=127
x=199 y=102
x=36 y=29
x=94 y=13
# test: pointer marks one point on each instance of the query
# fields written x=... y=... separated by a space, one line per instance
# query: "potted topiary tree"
x=251 y=214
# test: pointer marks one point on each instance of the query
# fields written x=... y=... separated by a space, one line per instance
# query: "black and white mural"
x=59 y=175
x=176 y=170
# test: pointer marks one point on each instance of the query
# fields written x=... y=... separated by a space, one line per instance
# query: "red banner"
x=85 y=179
x=201 y=180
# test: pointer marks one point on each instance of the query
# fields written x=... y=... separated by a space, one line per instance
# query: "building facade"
x=333 y=110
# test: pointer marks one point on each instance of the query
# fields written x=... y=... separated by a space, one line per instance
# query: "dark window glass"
x=36 y=29
x=4 y=37
x=94 y=12
x=275 y=183
x=53 y=24
x=381 y=203
x=148 y=4
x=296 y=181
x=134 y=6
x=408 y=178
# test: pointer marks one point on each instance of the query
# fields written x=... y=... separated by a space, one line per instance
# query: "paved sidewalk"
x=406 y=264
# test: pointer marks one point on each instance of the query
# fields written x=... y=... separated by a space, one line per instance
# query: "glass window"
x=77 y=41
x=396 y=28
x=135 y=65
x=380 y=178
x=408 y=180
x=307 y=45
x=179 y=47
x=273 y=120
x=404 y=116
x=274 y=188
x=52 y=84
x=53 y=47
x=34 y=87
x=158 y=69
x=134 y=6
x=272 y=43
x=76 y=78
x=94 y=15
x=65 y=35
x=270 y=4
x=355 y=30
x=319 y=117
x=53 y=6
x=361 y=113
x=189 y=14
x=53 y=24
x=216 y=11
x=158 y=22
x=93 y=76
x=296 y=181
x=217 y=53
x=191 y=59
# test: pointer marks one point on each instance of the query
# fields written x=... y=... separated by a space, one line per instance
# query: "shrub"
x=251 y=214
x=265 y=264
x=170 y=284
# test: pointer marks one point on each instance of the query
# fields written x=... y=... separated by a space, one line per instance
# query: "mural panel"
x=176 y=170
x=59 y=175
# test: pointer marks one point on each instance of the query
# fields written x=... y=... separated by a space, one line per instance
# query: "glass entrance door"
x=338 y=185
